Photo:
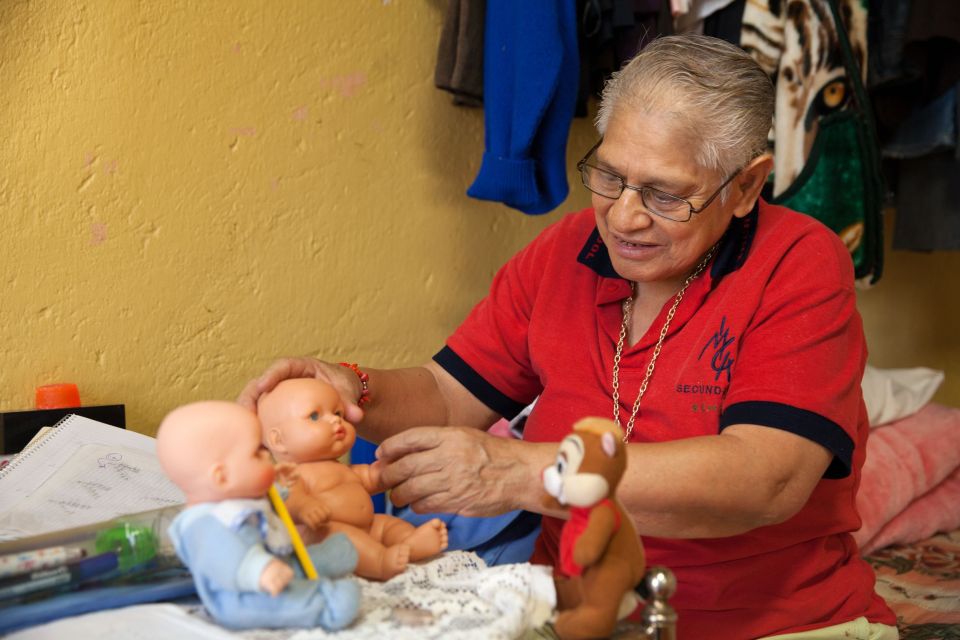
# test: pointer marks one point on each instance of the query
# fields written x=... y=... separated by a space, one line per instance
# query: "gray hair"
x=724 y=95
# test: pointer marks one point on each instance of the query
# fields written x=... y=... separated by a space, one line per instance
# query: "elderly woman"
x=720 y=331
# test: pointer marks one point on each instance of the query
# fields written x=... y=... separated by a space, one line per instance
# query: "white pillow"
x=892 y=394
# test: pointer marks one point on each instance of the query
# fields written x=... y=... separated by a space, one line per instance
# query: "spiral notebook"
x=83 y=471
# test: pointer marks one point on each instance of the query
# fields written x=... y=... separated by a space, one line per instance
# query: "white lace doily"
x=456 y=597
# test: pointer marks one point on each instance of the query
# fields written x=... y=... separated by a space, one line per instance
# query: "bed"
x=909 y=500
x=921 y=583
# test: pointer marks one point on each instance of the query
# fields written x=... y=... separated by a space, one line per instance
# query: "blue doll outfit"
x=226 y=545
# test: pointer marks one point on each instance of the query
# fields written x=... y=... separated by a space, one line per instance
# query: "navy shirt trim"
x=476 y=384
x=801 y=422
x=732 y=253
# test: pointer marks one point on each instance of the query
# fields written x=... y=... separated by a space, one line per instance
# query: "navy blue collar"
x=732 y=253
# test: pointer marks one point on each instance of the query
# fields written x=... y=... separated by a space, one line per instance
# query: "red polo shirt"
x=768 y=335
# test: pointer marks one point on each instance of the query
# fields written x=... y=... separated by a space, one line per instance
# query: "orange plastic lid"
x=58 y=396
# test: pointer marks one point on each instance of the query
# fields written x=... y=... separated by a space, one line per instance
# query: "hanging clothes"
x=459 y=67
x=530 y=78
x=611 y=32
x=826 y=158
x=915 y=85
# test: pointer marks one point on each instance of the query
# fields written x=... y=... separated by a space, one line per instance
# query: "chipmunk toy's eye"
x=570 y=455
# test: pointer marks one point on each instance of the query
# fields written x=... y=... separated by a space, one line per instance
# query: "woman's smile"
x=632 y=250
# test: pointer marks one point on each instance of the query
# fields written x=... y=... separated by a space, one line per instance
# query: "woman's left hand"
x=458 y=470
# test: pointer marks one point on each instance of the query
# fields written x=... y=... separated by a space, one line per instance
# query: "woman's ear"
x=747 y=185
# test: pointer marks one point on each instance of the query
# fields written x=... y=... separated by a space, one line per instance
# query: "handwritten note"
x=85 y=477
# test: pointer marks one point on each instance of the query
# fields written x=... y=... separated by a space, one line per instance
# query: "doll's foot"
x=341 y=603
x=335 y=557
x=394 y=560
x=428 y=539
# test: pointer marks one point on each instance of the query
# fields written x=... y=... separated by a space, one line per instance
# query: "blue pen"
x=71 y=574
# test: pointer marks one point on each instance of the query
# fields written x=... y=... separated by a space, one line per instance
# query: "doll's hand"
x=286 y=474
x=275 y=577
x=314 y=514
x=371 y=476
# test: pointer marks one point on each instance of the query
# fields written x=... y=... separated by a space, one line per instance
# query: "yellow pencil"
x=298 y=547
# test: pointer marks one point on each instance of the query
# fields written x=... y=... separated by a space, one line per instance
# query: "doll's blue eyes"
x=315 y=416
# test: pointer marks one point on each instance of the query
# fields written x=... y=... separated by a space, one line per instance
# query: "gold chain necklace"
x=627 y=307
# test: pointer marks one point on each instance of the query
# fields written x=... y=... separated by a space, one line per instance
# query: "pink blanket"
x=910 y=486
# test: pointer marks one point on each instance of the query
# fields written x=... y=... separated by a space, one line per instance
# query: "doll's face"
x=247 y=469
x=212 y=451
x=312 y=426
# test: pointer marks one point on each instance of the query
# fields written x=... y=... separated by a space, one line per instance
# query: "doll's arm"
x=226 y=559
x=286 y=474
x=369 y=475
x=594 y=540
x=304 y=507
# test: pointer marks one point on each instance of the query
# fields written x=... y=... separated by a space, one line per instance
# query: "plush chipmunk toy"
x=601 y=558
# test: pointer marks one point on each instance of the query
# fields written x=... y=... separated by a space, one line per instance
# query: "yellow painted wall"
x=912 y=316
x=191 y=189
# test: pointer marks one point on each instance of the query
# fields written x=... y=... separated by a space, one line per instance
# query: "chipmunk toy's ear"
x=609 y=444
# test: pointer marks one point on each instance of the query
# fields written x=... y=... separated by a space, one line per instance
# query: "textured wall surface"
x=189 y=190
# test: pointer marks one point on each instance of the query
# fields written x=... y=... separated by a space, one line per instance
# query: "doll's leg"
x=425 y=541
x=335 y=557
x=375 y=560
x=341 y=602
x=332 y=604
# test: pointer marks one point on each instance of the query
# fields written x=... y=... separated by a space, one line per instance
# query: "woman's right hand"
x=343 y=380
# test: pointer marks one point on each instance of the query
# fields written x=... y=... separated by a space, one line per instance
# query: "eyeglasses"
x=610 y=185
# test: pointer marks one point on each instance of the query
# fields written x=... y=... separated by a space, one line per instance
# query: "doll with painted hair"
x=303 y=423
x=228 y=536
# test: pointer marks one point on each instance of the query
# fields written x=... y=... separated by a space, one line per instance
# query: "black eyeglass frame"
x=643 y=189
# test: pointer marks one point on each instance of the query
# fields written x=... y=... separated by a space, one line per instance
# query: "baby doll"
x=232 y=542
x=303 y=423
x=601 y=558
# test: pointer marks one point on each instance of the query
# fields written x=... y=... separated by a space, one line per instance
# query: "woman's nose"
x=629 y=212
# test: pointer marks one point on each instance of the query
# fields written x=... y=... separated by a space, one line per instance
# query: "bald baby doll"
x=303 y=423
x=228 y=536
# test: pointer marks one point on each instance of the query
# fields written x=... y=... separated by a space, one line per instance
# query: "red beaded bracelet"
x=364 y=379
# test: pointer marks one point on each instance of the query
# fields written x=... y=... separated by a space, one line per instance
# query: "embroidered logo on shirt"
x=721 y=361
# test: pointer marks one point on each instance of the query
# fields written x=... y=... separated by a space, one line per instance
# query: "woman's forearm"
x=418 y=396
x=721 y=485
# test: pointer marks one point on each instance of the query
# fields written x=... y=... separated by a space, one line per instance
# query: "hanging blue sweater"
x=530 y=81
